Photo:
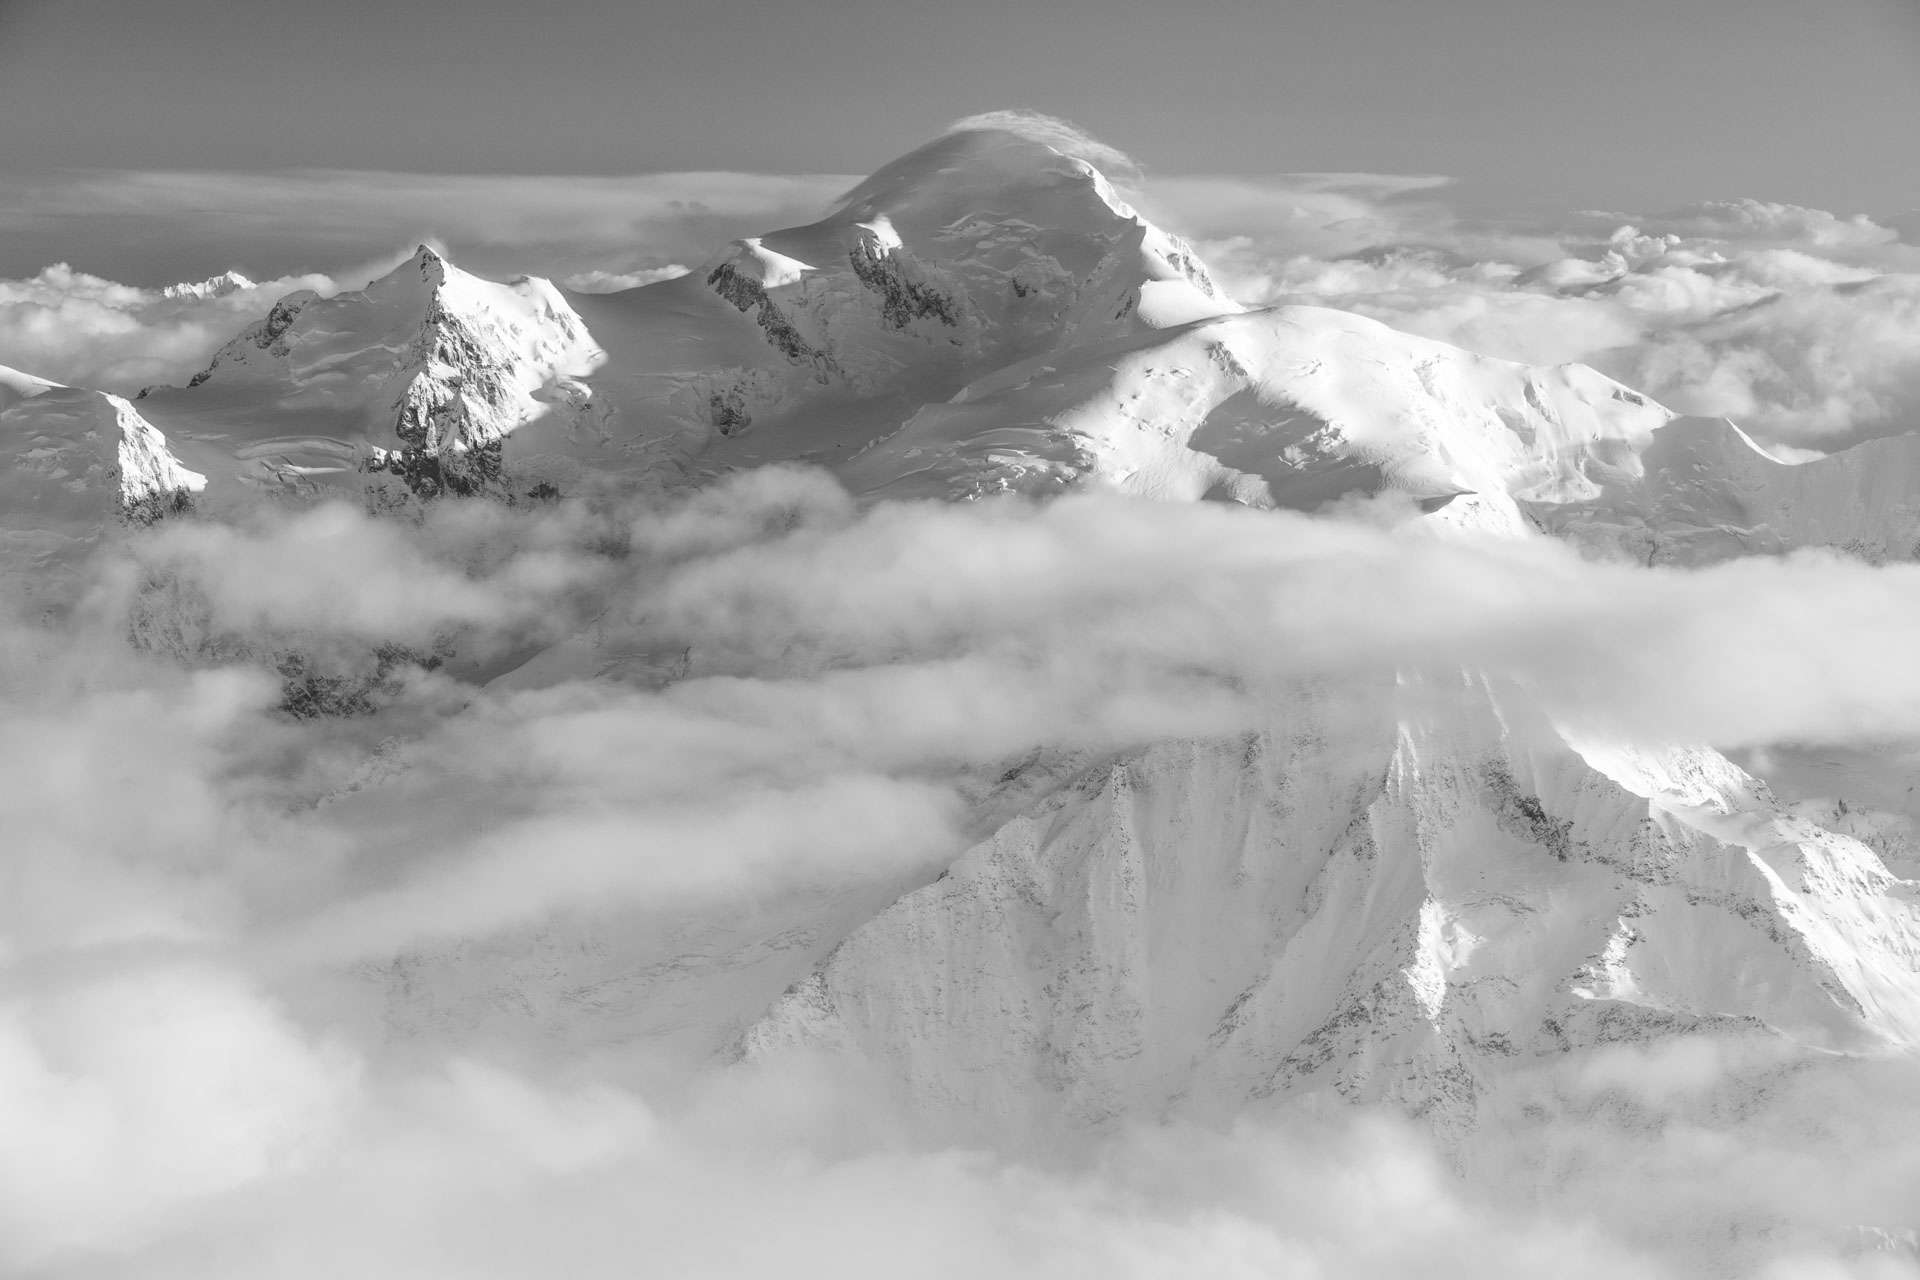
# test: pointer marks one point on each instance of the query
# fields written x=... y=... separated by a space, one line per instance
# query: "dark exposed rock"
x=264 y=335
x=1194 y=270
x=432 y=473
x=750 y=296
x=444 y=450
x=156 y=506
x=728 y=411
x=1523 y=815
x=307 y=693
x=902 y=300
x=280 y=319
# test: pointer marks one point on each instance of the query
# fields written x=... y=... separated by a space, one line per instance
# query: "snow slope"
x=71 y=457
x=979 y=248
x=1392 y=906
x=1289 y=406
x=72 y=463
x=1705 y=491
x=420 y=376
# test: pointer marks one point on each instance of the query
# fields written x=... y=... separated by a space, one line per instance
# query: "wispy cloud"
x=80 y=329
x=1799 y=323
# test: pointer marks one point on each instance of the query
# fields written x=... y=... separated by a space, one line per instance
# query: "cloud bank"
x=1800 y=324
x=434 y=990
x=80 y=329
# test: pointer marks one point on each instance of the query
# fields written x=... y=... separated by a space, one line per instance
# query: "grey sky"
x=1570 y=102
x=113 y=113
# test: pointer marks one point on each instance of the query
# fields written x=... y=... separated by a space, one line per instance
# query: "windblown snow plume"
x=1062 y=135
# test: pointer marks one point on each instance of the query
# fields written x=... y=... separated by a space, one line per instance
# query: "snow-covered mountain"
x=1291 y=407
x=983 y=314
x=976 y=250
x=73 y=463
x=419 y=376
x=220 y=286
x=1704 y=491
x=74 y=454
x=979 y=249
x=1392 y=902
x=1399 y=911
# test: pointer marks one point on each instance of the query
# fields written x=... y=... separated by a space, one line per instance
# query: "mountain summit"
x=421 y=375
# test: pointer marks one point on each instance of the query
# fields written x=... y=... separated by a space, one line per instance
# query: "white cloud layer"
x=1802 y=325
x=82 y=330
x=598 y=281
x=212 y=907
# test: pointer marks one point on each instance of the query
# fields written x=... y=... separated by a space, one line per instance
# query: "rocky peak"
x=220 y=286
x=431 y=266
x=419 y=374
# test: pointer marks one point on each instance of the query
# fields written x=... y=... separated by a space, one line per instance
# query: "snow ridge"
x=220 y=286
x=1201 y=925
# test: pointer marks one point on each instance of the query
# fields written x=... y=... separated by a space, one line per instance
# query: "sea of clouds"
x=446 y=989
x=1799 y=324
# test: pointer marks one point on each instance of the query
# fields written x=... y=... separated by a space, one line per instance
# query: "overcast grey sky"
x=1626 y=103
